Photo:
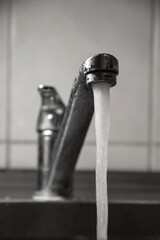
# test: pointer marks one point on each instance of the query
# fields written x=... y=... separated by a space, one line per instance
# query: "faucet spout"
x=78 y=114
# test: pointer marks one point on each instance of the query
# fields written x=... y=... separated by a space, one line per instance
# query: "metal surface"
x=134 y=208
x=49 y=122
x=76 y=121
x=51 y=110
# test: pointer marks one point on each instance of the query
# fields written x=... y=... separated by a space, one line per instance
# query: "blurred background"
x=45 y=41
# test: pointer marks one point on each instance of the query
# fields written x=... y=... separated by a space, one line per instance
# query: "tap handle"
x=49 y=121
x=51 y=110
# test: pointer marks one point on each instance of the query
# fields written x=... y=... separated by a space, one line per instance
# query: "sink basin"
x=134 y=208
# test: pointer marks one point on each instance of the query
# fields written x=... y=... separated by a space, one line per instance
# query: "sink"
x=134 y=208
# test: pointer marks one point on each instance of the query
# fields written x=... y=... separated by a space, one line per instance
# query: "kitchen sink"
x=134 y=207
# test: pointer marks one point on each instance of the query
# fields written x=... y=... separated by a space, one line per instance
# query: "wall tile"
x=45 y=40
x=132 y=158
x=3 y=67
x=87 y=158
x=156 y=74
x=131 y=45
x=127 y=36
x=50 y=39
x=2 y=155
x=156 y=158
x=24 y=156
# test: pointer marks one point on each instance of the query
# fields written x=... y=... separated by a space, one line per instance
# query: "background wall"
x=46 y=42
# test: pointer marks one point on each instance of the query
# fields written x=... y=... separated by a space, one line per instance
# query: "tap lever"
x=52 y=109
x=48 y=124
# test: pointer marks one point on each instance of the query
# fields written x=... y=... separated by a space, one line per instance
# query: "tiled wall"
x=45 y=41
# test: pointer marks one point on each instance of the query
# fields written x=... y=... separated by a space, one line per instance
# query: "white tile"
x=50 y=39
x=23 y=156
x=123 y=158
x=156 y=158
x=45 y=43
x=156 y=74
x=91 y=135
x=2 y=156
x=131 y=45
x=127 y=36
x=87 y=158
x=132 y=158
x=3 y=67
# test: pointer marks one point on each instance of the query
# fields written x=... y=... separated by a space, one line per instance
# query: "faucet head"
x=99 y=68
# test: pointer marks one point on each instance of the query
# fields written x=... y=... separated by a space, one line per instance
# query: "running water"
x=102 y=107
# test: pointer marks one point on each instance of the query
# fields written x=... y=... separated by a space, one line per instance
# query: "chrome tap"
x=48 y=124
x=75 y=123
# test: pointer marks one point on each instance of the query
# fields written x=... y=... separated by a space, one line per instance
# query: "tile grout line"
x=151 y=85
x=87 y=143
x=8 y=80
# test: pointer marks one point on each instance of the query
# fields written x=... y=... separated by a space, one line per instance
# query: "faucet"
x=75 y=123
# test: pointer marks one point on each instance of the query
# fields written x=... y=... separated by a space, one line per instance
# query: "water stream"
x=102 y=107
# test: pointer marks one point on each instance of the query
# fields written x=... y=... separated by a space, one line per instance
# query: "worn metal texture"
x=100 y=62
x=76 y=121
x=100 y=68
